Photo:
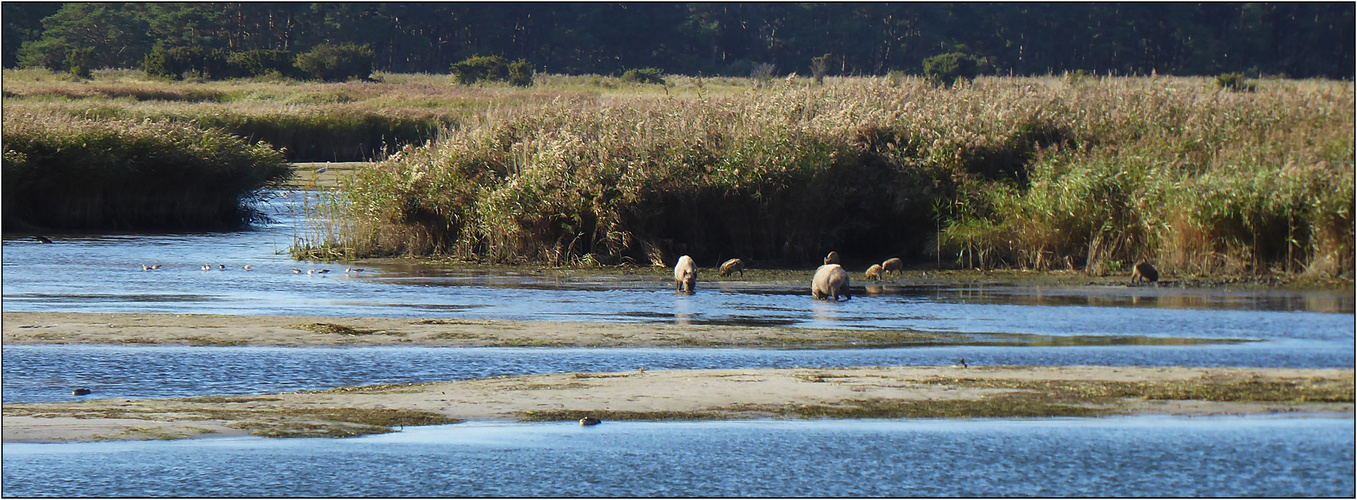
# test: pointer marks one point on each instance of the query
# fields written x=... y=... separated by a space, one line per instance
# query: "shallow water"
x=102 y=273
x=1140 y=456
x=1056 y=457
x=47 y=373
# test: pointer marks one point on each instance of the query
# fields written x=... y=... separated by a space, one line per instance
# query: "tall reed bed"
x=1020 y=172
x=84 y=174
x=1197 y=180
x=307 y=121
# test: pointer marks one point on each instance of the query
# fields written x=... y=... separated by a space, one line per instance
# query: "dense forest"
x=1299 y=40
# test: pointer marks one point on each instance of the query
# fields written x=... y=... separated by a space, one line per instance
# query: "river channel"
x=1093 y=325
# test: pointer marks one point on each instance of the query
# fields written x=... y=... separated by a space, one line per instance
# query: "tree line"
x=1298 y=40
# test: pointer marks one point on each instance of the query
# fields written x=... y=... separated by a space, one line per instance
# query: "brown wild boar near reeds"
x=732 y=266
x=873 y=273
x=832 y=258
x=892 y=264
x=1143 y=271
x=830 y=281
x=685 y=275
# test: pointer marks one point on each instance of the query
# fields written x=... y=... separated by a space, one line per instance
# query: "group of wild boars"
x=891 y=265
x=685 y=272
x=831 y=281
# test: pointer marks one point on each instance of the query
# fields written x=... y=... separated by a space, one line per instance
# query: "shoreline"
x=33 y=328
x=677 y=395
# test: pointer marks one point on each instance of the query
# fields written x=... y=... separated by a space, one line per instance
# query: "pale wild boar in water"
x=873 y=273
x=830 y=281
x=892 y=264
x=832 y=258
x=685 y=275
x=731 y=266
x=1143 y=271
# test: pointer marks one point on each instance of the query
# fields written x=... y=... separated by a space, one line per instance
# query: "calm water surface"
x=102 y=273
x=1093 y=457
x=46 y=373
x=1155 y=456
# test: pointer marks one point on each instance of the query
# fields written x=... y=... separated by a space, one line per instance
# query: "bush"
x=647 y=75
x=520 y=73
x=1236 y=82
x=762 y=74
x=336 y=64
x=79 y=62
x=262 y=63
x=948 y=69
x=819 y=67
x=476 y=68
x=177 y=62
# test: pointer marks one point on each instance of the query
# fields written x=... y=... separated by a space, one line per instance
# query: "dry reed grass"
x=1006 y=172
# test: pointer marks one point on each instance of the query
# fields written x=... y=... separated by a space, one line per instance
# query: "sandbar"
x=866 y=392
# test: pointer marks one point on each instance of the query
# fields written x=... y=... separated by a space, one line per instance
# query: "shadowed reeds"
x=73 y=174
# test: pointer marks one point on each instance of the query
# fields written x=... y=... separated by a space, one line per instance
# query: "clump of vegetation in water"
x=86 y=174
x=1005 y=172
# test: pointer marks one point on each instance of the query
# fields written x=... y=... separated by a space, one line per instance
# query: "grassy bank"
x=1041 y=173
x=64 y=173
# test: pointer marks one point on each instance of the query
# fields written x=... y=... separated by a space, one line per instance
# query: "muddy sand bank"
x=869 y=392
x=305 y=331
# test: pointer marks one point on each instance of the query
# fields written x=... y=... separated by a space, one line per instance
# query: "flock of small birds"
x=351 y=271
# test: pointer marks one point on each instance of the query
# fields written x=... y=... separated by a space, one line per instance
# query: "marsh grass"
x=330 y=422
x=69 y=173
x=1004 y=172
x=1086 y=172
x=1203 y=388
x=336 y=329
x=618 y=415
